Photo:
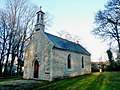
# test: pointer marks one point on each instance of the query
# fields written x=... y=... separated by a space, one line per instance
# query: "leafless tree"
x=20 y=18
x=48 y=20
x=64 y=34
x=3 y=38
x=17 y=20
x=108 y=22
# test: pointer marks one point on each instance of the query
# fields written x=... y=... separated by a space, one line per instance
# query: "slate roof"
x=64 y=44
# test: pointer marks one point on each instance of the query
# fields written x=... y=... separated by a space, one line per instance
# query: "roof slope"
x=67 y=45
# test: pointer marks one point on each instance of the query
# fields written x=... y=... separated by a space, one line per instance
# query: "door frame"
x=36 y=69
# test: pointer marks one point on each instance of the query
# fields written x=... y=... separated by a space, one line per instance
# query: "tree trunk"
x=18 y=68
x=0 y=67
x=12 y=62
x=21 y=49
x=1 y=62
x=118 y=46
x=3 y=49
x=8 y=52
x=117 y=34
x=5 y=69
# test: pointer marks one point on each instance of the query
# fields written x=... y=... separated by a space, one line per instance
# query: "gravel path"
x=20 y=85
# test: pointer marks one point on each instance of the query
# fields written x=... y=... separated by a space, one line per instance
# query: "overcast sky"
x=76 y=17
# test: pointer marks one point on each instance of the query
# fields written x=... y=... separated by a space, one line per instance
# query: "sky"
x=77 y=18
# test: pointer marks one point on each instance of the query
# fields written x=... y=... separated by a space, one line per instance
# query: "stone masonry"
x=59 y=64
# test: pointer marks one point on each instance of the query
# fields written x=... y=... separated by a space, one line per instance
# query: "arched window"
x=69 y=61
x=82 y=62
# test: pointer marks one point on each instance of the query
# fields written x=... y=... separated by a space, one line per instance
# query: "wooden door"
x=36 y=69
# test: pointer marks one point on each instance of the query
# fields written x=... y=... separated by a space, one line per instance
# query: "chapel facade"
x=48 y=57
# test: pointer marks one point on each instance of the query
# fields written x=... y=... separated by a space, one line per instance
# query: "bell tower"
x=40 y=20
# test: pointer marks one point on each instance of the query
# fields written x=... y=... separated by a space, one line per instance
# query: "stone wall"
x=39 y=49
x=52 y=61
x=60 y=65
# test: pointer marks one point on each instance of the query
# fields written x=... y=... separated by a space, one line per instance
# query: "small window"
x=82 y=62
x=69 y=61
x=38 y=18
x=41 y=18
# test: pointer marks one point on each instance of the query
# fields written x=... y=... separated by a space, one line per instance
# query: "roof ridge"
x=61 y=38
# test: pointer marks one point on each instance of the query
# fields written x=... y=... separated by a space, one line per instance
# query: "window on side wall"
x=82 y=62
x=69 y=61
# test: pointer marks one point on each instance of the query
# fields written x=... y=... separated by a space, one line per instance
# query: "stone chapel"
x=48 y=57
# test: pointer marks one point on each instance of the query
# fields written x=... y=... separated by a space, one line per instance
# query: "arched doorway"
x=36 y=69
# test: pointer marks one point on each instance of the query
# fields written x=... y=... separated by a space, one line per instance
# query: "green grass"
x=10 y=78
x=95 y=81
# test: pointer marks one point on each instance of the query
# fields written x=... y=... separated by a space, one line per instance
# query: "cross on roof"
x=40 y=8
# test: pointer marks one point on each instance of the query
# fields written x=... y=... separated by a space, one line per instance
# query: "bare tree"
x=64 y=34
x=108 y=22
x=3 y=38
x=17 y=21
x=110 y=55
x=48 y=20
x=20 y=17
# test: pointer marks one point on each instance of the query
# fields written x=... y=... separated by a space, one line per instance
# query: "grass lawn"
x=10 y=78
x=95 y=81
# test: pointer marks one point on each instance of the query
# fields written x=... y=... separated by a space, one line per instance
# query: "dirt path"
x=20 y=84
